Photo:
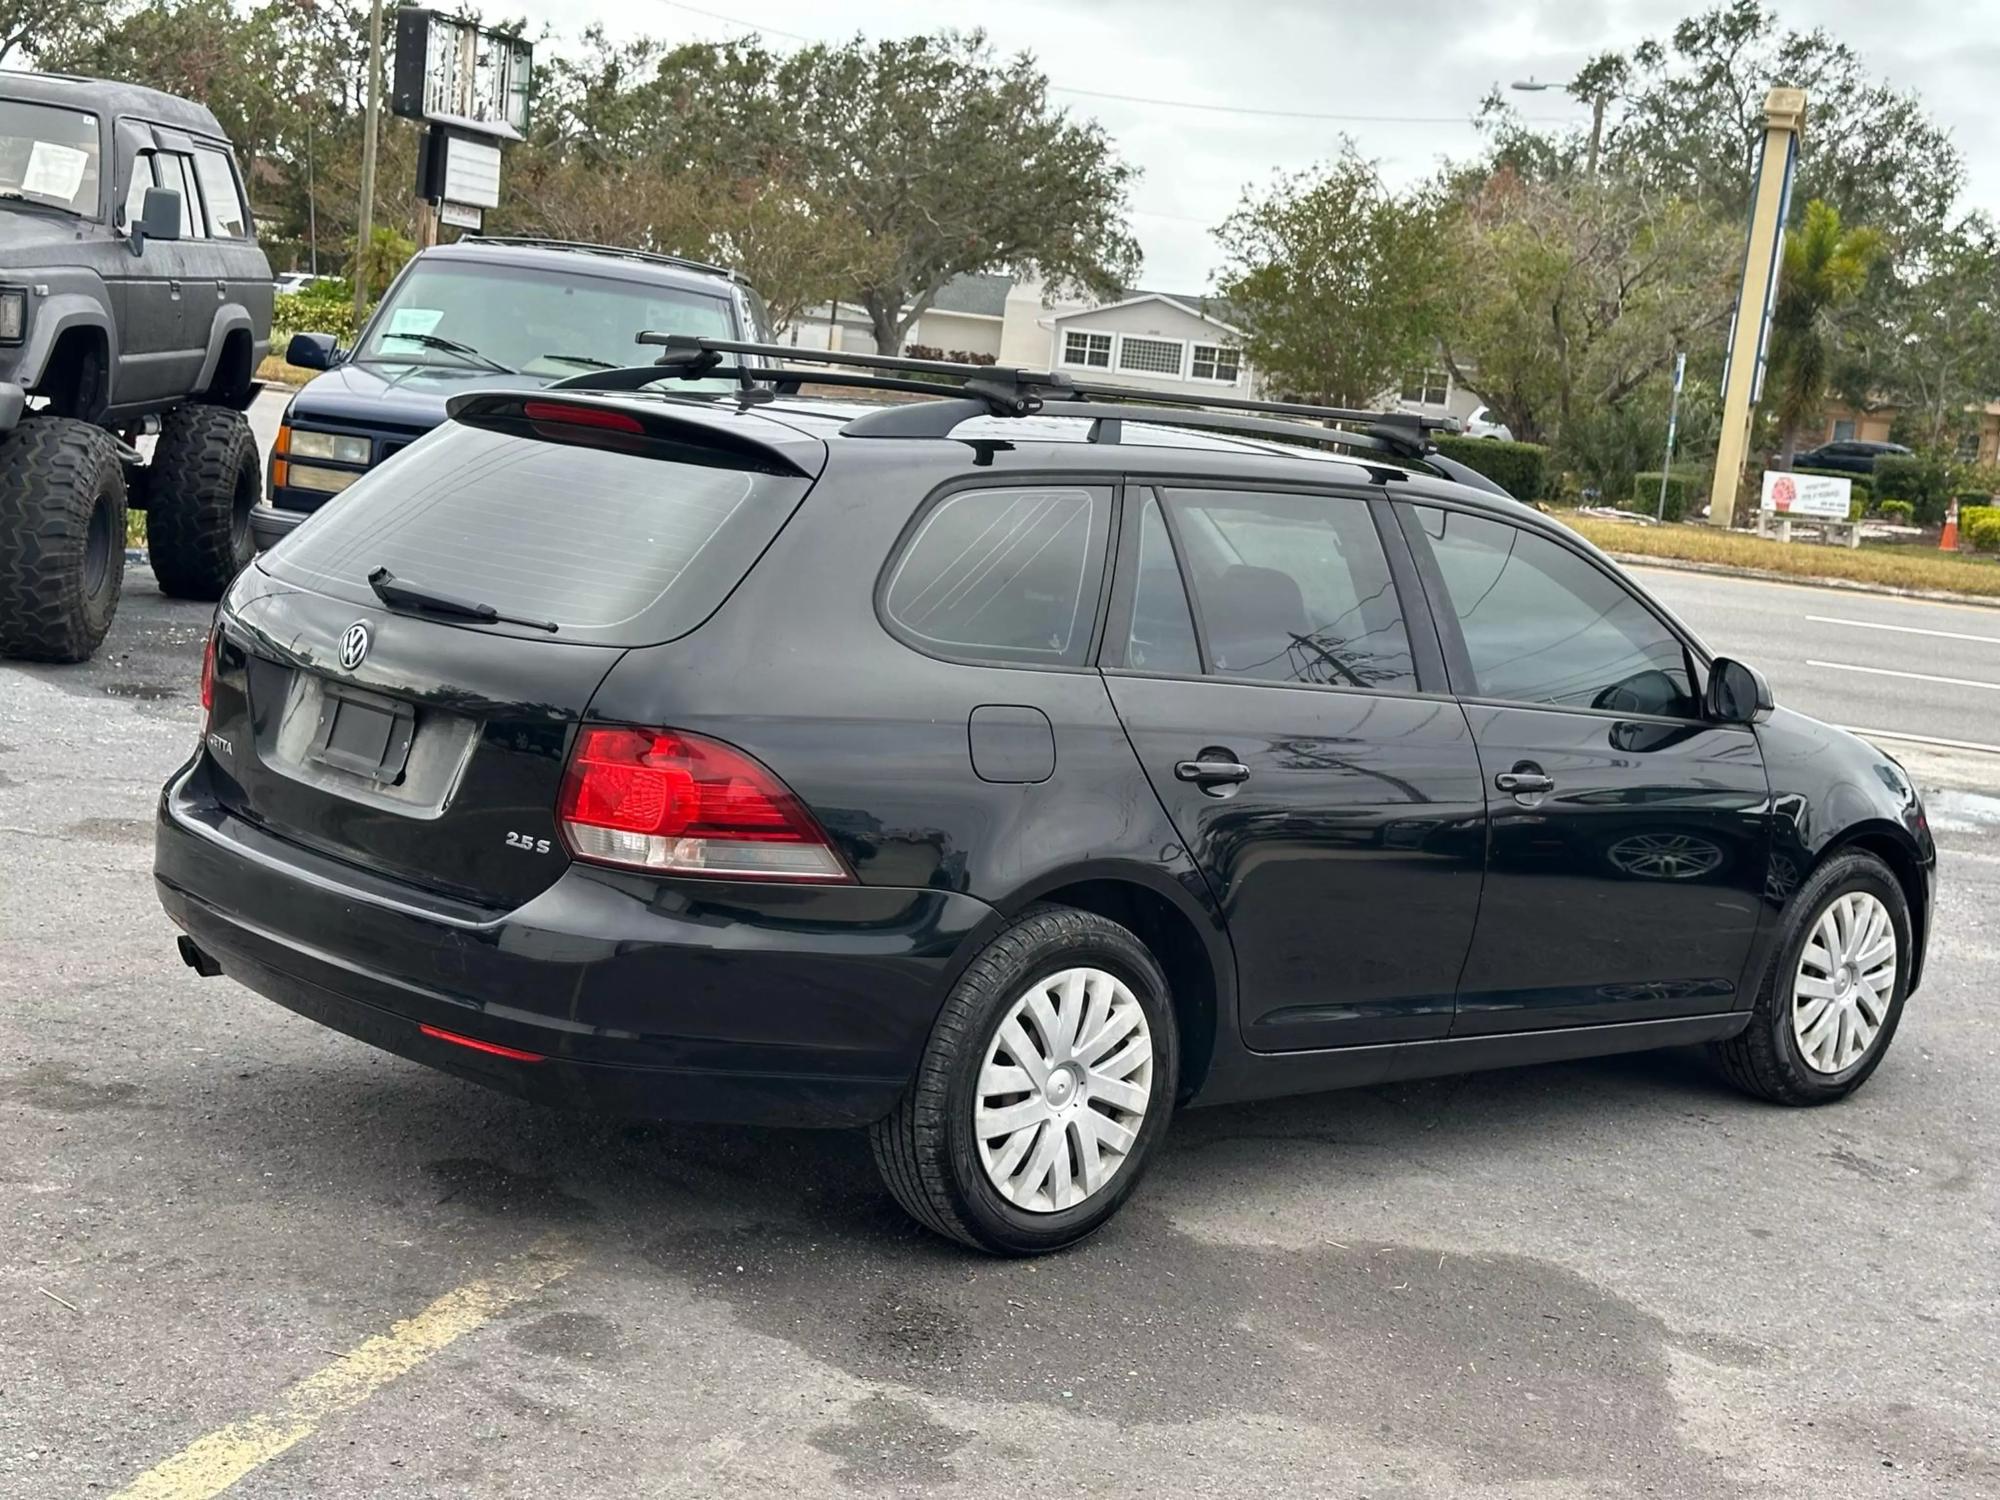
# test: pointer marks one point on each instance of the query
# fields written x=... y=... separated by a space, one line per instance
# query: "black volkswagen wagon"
x=1000 y=783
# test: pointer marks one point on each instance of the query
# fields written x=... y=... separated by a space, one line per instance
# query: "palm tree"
x=1824 y=269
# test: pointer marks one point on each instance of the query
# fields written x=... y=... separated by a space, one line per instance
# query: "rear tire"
x=205 y=481
x=1770 y=1057
x=929 y=1151
x=62 y=539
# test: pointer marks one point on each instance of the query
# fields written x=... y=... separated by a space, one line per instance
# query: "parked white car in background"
x=1482 y=425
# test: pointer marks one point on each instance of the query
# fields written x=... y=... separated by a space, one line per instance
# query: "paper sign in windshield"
x=55 y=171
x=414 y=320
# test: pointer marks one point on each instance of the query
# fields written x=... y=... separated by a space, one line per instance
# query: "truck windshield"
x=49 y=156
x=531 y=322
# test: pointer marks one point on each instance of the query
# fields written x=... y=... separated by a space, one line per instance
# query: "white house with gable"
x=1148 y=340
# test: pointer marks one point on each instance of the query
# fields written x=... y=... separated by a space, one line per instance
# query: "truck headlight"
x=13 y=314
x=326 y=481
x=331 y=446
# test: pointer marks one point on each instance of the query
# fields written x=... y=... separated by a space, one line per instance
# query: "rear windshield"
x=614 y=548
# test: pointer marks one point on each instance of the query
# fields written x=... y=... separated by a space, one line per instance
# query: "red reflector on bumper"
x=478 y=1046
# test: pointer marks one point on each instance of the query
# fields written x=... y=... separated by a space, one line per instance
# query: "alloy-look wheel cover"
x=1845 y=984
x=1063 y=1090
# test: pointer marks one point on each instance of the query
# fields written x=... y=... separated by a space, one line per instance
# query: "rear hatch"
x=428 y=746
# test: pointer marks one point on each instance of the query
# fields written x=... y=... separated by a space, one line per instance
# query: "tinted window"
x=135 y=196
x=613 y=547
x=1005 y=574
x=1293 y=588
x=1162 y=638
x=226 y=218
x=1542 y=625
x=177 y=172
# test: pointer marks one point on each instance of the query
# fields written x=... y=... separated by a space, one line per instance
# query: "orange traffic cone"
x=1948 y=538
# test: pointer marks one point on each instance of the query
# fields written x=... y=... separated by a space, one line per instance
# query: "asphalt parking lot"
x=234 y=1246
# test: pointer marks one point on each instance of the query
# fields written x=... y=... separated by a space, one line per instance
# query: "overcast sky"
x=1409 y=73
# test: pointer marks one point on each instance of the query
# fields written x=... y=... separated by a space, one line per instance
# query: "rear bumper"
x=687 y=1000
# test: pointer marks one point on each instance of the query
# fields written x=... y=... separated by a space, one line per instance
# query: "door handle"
x=173 y=288
x=1212 y=772
x=1525 y=783
x=221 y=288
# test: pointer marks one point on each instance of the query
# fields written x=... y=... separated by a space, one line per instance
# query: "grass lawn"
x=1897 y=565
x=274 y=371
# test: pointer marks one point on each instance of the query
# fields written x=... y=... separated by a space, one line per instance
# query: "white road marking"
x=1726 y=580
x=1845 y=666
x=1950 y=635
x=1918 y=739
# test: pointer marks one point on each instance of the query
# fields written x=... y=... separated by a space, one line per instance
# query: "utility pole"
x=312 y=203
x=365 y=233
x=1750 y=326
x=1596 y=132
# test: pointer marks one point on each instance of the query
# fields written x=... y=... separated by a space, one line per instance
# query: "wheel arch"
x=1178 y=926
x=1892 y=844
x=232 y=354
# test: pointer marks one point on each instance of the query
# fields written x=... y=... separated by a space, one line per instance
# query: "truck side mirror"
x=159 y=218
x=312 y=351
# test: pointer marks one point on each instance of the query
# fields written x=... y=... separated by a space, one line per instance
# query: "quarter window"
x=1090 y=349
x=1542 y=625
x=1215 y=362
x=1150 y=356
x=226 y=218
x=1293 y=588
x=1004 y=575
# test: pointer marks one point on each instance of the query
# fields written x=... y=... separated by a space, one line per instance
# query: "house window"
x=1427 y=388
x=1090 y=349
x=1843 y=431
x=1968 y=446
x=1215 y=362
x=1150 y=356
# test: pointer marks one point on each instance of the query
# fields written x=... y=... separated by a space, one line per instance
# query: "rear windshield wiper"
x=399 y=595
x=453 y=346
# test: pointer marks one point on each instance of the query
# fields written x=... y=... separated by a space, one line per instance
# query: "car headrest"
x=1252 y=615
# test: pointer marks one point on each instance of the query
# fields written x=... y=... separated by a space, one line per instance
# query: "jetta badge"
x=353 y=646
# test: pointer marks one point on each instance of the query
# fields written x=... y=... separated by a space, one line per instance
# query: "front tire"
x=1833 y=993
x=204 y=483
x=1046 y=1085
x=62 y=538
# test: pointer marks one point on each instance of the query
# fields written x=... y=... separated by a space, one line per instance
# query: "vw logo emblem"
x=353 y=646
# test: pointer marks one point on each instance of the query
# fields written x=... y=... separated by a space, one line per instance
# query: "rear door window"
x=1005 y=575
x=1293 y=588
x=614 y=548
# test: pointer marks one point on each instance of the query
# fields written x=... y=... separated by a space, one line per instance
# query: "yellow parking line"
x=209 y=1465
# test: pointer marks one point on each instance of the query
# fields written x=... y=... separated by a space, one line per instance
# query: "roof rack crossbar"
x=1012 y=391
x=1105 y=426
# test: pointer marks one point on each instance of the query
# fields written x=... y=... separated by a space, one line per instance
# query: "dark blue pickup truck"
x=486 y=312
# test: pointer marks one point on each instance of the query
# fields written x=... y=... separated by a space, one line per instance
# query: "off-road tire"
x=925 y=1151
x=62 y=538
x=1764 y=1058
x=205 y=480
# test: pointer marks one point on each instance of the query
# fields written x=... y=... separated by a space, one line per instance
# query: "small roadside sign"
x=1815 y=495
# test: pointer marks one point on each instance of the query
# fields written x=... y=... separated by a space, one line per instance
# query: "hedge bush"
x=1521 y=469
x=324 y=307
x=1900 y=511
x=1685 y=488
x=1982 y=533
x=1925 y=482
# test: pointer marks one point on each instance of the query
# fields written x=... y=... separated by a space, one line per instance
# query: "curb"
x=1800 y=580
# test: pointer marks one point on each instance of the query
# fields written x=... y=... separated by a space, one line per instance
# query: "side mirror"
x=313 y=351
x=159 y=217
x=1737 y=693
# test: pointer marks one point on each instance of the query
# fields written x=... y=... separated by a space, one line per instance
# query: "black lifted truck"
x=134 y=301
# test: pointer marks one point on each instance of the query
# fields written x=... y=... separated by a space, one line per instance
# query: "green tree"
x=36 y=28
x=1565 y=297
x=1823 y=269
x=1332 y=279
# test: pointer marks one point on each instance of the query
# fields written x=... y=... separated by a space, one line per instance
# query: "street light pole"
x=365 y=232
x=1599 y=102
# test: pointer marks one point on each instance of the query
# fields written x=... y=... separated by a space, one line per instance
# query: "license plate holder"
x=364 y=734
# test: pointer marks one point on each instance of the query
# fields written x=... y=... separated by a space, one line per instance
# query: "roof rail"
x=588 y=247
x=1005 y=391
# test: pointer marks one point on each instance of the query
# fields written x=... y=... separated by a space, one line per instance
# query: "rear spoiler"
x=715 y=434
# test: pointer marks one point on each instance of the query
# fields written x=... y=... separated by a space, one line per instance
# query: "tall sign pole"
x=1673 y=426
x=1750 y=327
x=365 y=232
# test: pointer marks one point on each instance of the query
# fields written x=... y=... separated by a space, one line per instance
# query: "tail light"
x=208 y=675
x=678 y=804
